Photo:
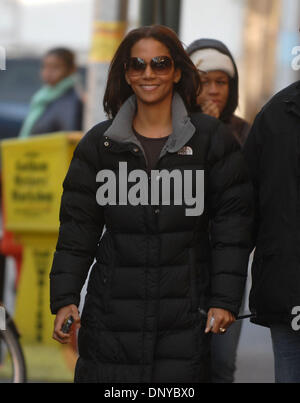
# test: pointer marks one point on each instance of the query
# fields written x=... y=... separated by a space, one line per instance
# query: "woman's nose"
x=148 y=72
x=213 y=88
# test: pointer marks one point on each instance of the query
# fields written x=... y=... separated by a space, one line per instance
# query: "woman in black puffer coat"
x=160 y=264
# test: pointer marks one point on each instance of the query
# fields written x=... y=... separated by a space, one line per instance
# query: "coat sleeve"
x=231 y=220
x=81 y=225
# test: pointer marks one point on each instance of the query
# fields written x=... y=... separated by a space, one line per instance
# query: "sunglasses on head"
x=159 y=65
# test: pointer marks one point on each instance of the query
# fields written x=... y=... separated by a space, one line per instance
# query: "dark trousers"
x=286 y=348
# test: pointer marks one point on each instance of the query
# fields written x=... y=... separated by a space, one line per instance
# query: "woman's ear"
x=177 y=76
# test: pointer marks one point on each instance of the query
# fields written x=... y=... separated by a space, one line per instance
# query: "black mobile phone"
x=67 y=325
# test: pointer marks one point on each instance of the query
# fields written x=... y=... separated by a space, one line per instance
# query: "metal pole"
x=172 y=13
x=161 y=12
x=165 y=12
x=147 y=12
x=110 y=23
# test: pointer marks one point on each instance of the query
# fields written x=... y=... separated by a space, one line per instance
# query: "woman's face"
x=150 y=86
x=215 y=88
x=54 y=69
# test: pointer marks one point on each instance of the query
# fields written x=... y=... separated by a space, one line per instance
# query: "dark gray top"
x=152 y=148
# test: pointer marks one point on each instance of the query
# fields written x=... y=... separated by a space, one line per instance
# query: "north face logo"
x=185 y=151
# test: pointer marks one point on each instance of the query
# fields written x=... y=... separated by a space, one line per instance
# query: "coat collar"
x=183 y=129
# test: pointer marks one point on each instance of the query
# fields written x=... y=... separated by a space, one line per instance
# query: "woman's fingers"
x=63 y=338
x=218 y=321
x=58 y=334
x=210 y=108
x=62 y=315
x=76 y=317
x=209 y=322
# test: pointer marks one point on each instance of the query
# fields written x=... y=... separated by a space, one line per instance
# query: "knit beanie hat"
x=210 y=59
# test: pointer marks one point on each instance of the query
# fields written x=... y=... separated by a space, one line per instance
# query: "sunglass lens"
x=136 y=65
x=161 y=64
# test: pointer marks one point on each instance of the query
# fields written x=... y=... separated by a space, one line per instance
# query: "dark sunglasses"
x=159 y=65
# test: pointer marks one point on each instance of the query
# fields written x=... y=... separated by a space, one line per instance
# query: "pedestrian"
x=220 y=84
x=57 y=105
x=219 y=98
x=273 y=154
x=163 y=279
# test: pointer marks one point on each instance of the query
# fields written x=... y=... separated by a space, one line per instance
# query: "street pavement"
x=255 y=362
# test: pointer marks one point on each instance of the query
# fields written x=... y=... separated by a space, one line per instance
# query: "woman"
x=219 y=98
x=220 y=84
x=157 y=267
x=57 y=106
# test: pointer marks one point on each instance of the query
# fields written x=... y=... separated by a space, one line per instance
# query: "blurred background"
x=263 y=36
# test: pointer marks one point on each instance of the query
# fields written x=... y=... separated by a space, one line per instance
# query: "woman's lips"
x=149 y=88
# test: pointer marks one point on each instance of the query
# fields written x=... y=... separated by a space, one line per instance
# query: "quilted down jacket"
x=155 y=269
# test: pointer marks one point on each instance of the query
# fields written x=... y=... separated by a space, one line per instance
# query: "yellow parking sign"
x=33 y=171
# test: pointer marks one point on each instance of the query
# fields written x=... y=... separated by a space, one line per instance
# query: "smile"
x=149 y=87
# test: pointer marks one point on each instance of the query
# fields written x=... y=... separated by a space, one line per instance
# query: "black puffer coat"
x=154 y=266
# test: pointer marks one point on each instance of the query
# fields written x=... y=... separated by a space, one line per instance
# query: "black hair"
x=65 y=54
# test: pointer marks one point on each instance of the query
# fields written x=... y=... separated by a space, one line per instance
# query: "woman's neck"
x=153 y=120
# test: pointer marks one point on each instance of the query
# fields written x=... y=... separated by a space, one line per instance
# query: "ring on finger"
x=222 y=330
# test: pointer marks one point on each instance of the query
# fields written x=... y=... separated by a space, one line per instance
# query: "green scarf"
x=42 y=99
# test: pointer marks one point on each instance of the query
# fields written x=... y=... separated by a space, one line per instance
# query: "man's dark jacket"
x=155 y=267
x=273 y=154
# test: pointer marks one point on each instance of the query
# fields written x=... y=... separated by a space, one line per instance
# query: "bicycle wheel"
x=12 y=362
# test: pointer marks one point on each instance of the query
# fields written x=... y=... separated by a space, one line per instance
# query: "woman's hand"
x=218 y=320
x=210 y=108
x=62 y=315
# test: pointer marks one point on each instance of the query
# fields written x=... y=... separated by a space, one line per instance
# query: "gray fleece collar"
x=183 y=129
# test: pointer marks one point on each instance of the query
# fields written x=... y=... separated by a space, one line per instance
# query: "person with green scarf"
x=57 y=106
